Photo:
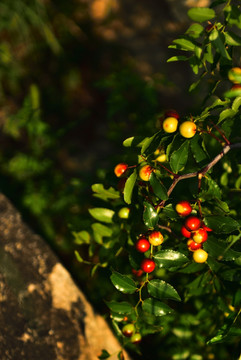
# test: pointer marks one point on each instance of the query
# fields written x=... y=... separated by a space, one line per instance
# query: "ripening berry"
x=145 y=172
x=183 y=208
x=156 y=238
x=200 y=236
x=188 y=129
x=120 y=169
x=200 y=256
x=193 y=246
x=192 y=223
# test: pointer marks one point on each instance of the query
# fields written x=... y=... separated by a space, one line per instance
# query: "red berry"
x=142 y=245
x=183 y=208
x=120 y=169
x=193 y=246
x=200 y=235
x=192 y=223
x=185 y=232
x=156 y=238
x=148 y=265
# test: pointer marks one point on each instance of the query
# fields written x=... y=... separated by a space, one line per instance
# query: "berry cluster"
x=170 y=124
x=143 y=244
x=129 y=331
x=194 y=230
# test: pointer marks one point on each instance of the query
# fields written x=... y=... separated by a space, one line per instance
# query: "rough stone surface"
x=43 y=314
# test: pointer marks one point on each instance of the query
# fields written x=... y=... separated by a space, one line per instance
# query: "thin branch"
x=201 y=172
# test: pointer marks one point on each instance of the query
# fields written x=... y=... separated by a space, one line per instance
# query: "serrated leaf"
x=179 y=157
x=134 y=141
x=104 y=194
x=201 y=14
x=177 y=58
x=159 y=189
x=123 y=283
x=129 y=186
x=162 y=290
x=102 y=214
x=170 y=258
x=119 y=307
x=156 y=307
x=221 y=224
x=150 y=216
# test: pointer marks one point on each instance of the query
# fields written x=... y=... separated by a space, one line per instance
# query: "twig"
x=201 y=172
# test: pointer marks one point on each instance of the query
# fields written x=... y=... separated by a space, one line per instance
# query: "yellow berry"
x=170 y=124
x=188 y=129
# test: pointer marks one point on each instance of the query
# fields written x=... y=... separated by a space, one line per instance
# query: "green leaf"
x=120 y=307
x=179 y=157
x=227 y=113
x=156 y=307
x=210 y=190
x=151 y=144
x=134 y=141
x=201 y=14
x=220 y=250
x=218 y=40
x=161 y=290
x=105 y=194
x=104 y=355
x=236 y=104
x=123 y=283
x=129 y=186
x=81 y=237
x=78 y=257
x=195 y=30
x=177 y=58
x=208 y=54
x=150 y=216
x=232 y=39
x=228 y=329
x=159 y=189
x=170 y=258
x=221 y=224
x=102 y=214
x=184 y=44
x=101 y=231
x=197 y=150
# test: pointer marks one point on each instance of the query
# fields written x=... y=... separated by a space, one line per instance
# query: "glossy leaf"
x=161 y=290
x=119 y=307
x=179 y=157
x=220 y=250
x=156 y=307
x=129 y=186
x=226 y=331
x=102 y=214
x=170 y=258
x=159 y=189
x=151 y=144
x=123 y=283
x=221 y=224
x=150 y=216
x=201 y=14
